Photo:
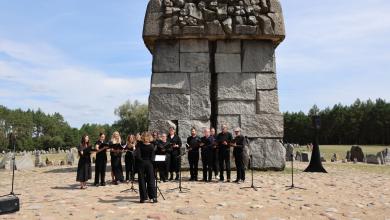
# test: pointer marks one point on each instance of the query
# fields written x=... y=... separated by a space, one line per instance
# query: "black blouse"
x=145 y=152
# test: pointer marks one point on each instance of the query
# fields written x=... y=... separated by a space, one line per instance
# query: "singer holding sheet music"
x=238 y=153
x=175 y=155
x=101 y=160
x=193 y=154
x=223 y=142
x=164 y=148
x=84 y=170
x=207 y=145
x=129 y=157
x=116 y=158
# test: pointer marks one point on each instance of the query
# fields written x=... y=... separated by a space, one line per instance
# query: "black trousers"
x=130 y=166
x=193 y=159
x=239 y=160
x=224 y=160
x=100 y=169
x=175 y=161
x=215 y=163
x=207 y=161
x=146 y=180
x=116 y=166
x=163 y=168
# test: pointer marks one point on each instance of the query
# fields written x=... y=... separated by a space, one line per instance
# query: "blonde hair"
x=131 y=139
x=146 y=137
x=138 y=137
x=116 y=140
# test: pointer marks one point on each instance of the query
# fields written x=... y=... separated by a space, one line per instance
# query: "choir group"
x=142 y=150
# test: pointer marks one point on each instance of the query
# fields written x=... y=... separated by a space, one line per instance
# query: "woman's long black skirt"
x=84 y=170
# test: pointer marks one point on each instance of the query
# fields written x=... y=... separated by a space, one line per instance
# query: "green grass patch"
x=360 y=167
x=341 y=150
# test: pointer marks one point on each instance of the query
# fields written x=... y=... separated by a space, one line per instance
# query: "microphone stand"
x=13 y=141
x=292 y=176
x=180 y=188
x=252 y=185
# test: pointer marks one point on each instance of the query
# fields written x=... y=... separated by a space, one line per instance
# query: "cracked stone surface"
x=214 y=64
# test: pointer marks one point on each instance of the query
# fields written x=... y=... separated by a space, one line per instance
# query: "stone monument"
x=214 y=64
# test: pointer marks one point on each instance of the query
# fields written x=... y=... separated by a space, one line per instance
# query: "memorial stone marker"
x=213 y=64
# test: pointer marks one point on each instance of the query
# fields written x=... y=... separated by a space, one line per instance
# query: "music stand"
x=158 y=160
x=132 y=189
x=180 y=188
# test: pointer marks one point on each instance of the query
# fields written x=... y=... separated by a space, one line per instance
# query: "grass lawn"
x=341 y=150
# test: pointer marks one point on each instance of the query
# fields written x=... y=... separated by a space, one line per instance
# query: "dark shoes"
x=153 y=201
x=103 y=184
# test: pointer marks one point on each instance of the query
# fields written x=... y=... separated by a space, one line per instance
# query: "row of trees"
x=360 y=123
x=133 y=118
x=37 y=130
x=365 y=123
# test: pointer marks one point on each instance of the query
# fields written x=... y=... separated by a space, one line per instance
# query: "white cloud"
x=335 y=51
x=39 y=76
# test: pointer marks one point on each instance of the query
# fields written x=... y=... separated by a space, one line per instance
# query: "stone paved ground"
x=344 y=193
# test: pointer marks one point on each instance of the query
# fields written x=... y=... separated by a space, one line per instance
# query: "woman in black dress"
x=101 y=160
x=164 y=148
x=116 y=158
x=129 y=157
x=84 y=171
x=144 y=154
x=176 y=143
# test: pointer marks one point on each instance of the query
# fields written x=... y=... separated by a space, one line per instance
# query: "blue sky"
x=84 y=58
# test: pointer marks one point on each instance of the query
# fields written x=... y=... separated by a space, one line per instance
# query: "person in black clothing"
x=238 y=153
x=144 y=154
x=176 y=144
x=116 y=158
x=84 y=170
x=223 y=140
x=207 y=145
x=101 y=161
x=156 y=137
x=164 y=148
x=193 y=154
x=215 y=164
x=129 y=157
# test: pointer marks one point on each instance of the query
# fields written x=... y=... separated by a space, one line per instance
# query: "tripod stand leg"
x=292 y=176
x=253 y=184
x=160 y=193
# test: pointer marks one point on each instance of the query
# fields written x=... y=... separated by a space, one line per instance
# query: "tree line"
x=363 y=122
x=38 y=130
